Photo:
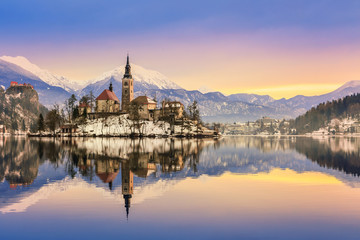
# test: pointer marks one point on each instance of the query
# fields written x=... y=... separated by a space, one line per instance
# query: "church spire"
x=127 y=68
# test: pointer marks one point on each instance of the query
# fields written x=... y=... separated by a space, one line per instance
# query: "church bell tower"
x=127 y=87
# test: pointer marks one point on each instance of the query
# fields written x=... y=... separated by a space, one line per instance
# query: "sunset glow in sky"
x=277 y=47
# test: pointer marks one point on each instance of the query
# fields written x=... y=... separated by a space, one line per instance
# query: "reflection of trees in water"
x=339 y=153
x=20 y=159
x=327 y=153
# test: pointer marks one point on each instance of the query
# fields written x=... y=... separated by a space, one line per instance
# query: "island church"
x=108 y=103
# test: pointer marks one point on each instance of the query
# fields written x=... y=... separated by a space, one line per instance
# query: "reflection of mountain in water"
x=124 y=166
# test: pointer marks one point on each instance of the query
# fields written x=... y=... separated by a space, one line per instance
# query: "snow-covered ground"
x=121 y=125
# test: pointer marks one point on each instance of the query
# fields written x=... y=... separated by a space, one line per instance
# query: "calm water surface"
x=233 y=188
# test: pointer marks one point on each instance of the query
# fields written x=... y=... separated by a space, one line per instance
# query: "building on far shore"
x=107 y=102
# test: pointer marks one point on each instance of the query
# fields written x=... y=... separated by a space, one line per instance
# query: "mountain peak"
x=22 y=62
x=44 y=75
x=205 y=89
x=140 y=74
x=351 y=85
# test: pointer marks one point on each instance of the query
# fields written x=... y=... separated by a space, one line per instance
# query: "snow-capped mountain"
x=149 y=79
x=205 y=89
x=144 y=79
x=44 y=75
x=214 y=106
x=48 y=94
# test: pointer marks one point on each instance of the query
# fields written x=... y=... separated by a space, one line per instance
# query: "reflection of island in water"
x=153 y=159
x=136 y=158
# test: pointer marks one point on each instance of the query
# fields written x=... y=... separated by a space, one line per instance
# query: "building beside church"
x=107 y=101
x=127 y=88
x=83 y=106
x=145 y=106
x=173 y=108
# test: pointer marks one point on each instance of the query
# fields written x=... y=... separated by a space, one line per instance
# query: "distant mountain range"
x=214 y=106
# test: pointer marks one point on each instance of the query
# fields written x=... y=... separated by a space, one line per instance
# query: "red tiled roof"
x=107 y=95
x=144 y=100
x=107 y=177
x=83 y=105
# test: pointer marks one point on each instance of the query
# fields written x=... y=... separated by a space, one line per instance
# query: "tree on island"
x=85 y=113
x=70 y=106
x=75 y=113
x=85 y=99
x=134 y=113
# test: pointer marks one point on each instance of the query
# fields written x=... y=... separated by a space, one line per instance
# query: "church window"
x=125 y=91
x=126 y=83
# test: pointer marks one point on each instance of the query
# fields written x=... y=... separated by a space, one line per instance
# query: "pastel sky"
x=276 y=47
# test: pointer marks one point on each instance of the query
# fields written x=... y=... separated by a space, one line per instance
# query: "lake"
x=231 y=188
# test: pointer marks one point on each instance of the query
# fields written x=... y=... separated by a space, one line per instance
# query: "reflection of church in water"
x=140 y=164
x=107 y=171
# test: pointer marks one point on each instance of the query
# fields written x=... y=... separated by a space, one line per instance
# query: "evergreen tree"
x=23 y=127
x=41 y=123
x=85 y=113
x=91 y=100
x=14 y=125
x=70 y=106
x=75 y=113
x=194 y=112
x=85 y=99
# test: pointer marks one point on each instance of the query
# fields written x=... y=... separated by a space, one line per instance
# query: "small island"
x=136 y=117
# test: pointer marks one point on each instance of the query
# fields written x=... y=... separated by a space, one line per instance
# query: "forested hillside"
x=318 y=117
